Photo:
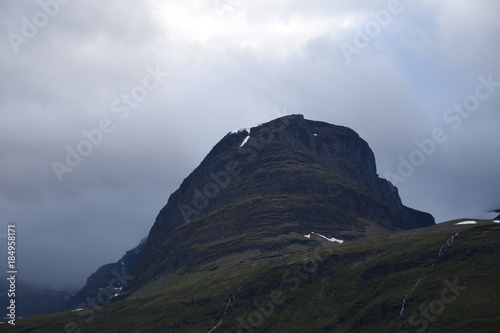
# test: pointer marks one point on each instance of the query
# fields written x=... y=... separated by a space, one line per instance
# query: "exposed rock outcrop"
x=260 y=186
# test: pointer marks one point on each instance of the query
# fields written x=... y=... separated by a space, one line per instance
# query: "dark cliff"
x=265 y=189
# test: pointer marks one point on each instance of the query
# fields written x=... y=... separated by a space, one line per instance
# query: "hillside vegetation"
x=448 y=275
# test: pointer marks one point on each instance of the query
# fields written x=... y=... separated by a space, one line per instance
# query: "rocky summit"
x=263 y=189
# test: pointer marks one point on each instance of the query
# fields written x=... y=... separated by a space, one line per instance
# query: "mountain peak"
x=262 y=188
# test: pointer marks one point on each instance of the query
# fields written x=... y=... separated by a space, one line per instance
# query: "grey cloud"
x=64 y=81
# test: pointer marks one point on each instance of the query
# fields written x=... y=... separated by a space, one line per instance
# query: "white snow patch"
x=495 y=221
x=466 y=222
x=315 y=134
x=116 y=295
x=248 y=129
x=333 y=239
x=238 y=131
x=245 y=141
x=77 y=310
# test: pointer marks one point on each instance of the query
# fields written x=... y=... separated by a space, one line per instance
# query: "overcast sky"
x=164 y=81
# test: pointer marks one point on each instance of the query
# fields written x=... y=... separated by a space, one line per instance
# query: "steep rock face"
x=262 y=188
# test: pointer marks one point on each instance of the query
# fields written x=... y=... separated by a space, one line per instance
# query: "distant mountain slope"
x=262 y=188
x=496 y=211
x=108 y=281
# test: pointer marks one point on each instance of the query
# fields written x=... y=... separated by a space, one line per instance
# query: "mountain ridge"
x=284 y=178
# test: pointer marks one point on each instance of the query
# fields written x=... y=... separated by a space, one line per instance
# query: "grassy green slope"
x=357 y=287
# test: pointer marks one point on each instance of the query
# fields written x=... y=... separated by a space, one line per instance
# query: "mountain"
x=107 y=282
x=261 y=189
x=286 y=227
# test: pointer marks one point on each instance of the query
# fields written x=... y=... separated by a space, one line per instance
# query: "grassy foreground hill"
x=444 y=278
